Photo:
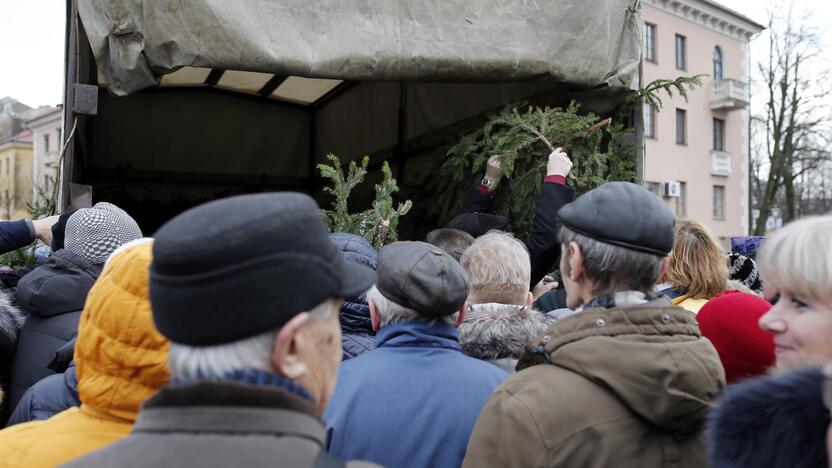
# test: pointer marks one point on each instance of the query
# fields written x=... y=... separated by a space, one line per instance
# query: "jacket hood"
x=499 y=331
x=120 y=356
x=58 y=286
x=776 y=421
x=652 y=357
x=355 y=313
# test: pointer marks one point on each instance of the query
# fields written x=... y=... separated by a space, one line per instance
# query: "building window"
x=46 y=183
x=681 y=52
x=650 y=42
x=718 y=67
x=719 y=202
x=8 y=163
x=681 y=201
x=649 y=121
x=719 y=135
x=655 y=188
x=46 y=143
x=681 y=127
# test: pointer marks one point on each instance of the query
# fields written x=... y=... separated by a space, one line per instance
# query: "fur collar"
x=777 y=422
x=499 y=331
x=11 y=319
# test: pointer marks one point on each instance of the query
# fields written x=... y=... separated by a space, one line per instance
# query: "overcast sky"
x=32 y=43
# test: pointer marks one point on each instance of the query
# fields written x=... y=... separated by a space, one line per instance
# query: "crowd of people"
x=245 y=334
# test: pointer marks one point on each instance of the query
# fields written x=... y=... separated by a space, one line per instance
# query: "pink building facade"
x=696 y=152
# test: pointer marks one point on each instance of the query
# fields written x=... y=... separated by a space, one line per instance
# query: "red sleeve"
x=482 y=188
x=557 y=179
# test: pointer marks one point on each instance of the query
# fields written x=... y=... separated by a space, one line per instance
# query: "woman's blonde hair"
x=697 y=265
x=798 y=259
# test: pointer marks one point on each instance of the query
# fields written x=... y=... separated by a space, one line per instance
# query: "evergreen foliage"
x=523 y=141
x=379 y=224
x=523 y=137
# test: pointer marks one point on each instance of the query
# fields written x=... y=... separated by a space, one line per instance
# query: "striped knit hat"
x=94 y=233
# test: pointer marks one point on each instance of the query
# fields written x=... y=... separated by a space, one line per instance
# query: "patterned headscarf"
x=94 y=233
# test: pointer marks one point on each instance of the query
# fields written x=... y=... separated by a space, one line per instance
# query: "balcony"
x=729 y=95
x=720 y=163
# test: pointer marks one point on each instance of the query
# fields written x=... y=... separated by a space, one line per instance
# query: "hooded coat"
x=498 y=333
x=624 y=387
x=53 y=295
x=121 y=360
x=777 y=422
x=357 y=333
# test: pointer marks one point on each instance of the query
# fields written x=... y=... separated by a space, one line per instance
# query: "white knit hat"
x=94 y=233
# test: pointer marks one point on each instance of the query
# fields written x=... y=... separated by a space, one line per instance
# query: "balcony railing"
x=729 y=94
x=720 y=163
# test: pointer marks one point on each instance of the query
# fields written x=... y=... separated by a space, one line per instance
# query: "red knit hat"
x=730 y=321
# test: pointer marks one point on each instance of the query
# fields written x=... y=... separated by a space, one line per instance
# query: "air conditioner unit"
x=673 y=189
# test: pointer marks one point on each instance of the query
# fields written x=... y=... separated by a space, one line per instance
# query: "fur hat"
x=94 y=233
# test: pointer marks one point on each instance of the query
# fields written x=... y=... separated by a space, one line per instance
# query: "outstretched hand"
x=43 y=228
x=559 y=163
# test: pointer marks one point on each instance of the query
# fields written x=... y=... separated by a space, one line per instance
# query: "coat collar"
x=231 y=408
x=419 y=334
x=658 y=317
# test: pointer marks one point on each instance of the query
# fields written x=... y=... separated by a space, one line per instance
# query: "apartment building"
x=696 y=152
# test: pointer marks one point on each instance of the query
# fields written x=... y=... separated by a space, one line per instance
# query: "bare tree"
x=795 y=125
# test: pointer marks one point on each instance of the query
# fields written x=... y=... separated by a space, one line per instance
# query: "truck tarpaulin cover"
x=579 y=42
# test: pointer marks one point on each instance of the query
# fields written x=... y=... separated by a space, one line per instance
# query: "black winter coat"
x=542 y=242
x=53 y=393
x=773 y=422
x=53 y=295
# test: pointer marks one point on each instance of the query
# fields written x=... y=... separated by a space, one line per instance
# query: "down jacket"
x=53 y=295
x=628 y=387
x=53 y=393
x=498 y=333
x=121 y=360
x=357 y=330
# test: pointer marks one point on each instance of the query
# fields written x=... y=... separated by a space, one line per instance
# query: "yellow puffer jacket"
x=121 y=360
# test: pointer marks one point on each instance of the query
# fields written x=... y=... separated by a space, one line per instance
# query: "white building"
x=46 y=140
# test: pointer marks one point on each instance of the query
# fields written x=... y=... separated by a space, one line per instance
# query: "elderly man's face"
x=313 y=354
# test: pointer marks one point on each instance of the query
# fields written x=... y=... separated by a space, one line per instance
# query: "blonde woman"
x=697 y=267
x=796 y=266
x=782 y=420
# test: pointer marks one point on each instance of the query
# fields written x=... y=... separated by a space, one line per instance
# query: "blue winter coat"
x=411 y=402
x=357 y=331
x=14 y=235
x=774 y=422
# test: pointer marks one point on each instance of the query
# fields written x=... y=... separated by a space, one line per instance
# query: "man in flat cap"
x=627 y=380
x=413 y=400
x=247 y=289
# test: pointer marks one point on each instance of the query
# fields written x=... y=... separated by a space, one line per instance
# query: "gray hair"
x=612 y=268
x=499 y=267
x=391 y=313
x=215 y=362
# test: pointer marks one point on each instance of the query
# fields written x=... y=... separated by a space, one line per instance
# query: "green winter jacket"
x=622 y=387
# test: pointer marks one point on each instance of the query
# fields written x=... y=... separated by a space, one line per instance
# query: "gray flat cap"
x=422 y=277
x=622 y=214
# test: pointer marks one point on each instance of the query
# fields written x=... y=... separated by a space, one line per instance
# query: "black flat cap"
x=622 y=214
x=478 y=224
x=422 y=277
x=233 y=268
